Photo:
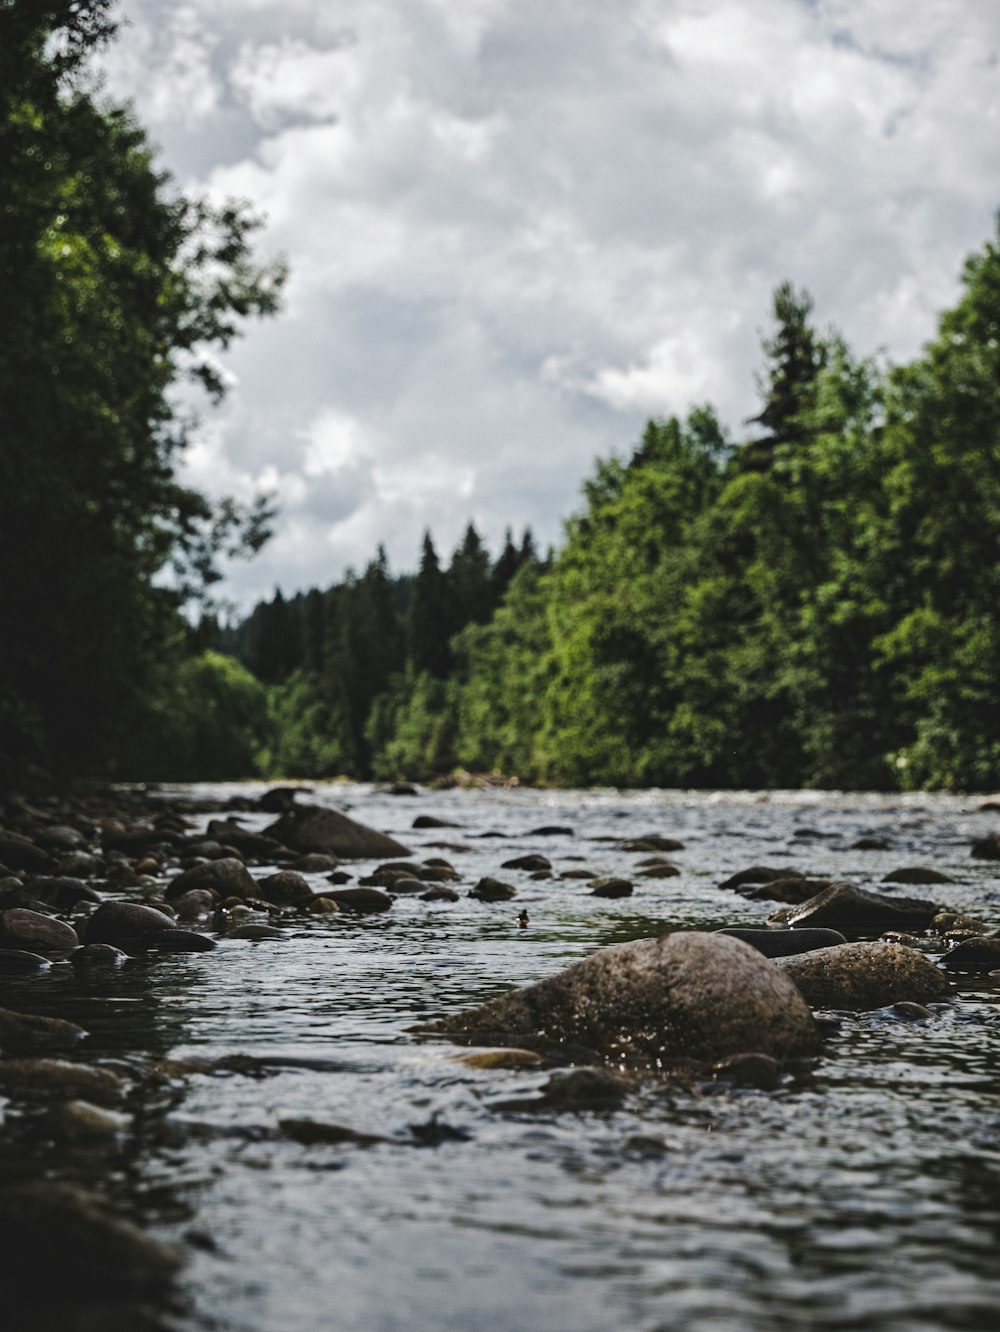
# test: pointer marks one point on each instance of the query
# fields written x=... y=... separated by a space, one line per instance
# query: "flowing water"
x=863 y=1195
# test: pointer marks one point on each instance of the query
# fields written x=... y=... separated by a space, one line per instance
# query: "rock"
x=79 y=865
x=18 y=853
x=24 y=1032
x=136 y=841
x=870 y=844
x=911 y=1011
x=61 y=837
x=231 y=834
x=313 y=828
x=194 y=903
x=19 y=962
x=99 y=955
x=286 y=888
x=992 y=803
x=492 y=890
x=439 y=893
x=759 y=874
x=916 y=874
x=81 y=1119
x=322 y=906
x=429 y=821
x=281 y=799
x=863 y=976
x=984 y=848
x=228 y=877
x=310 y=1133
x=653 y=1001
x=384 y=876
x=651 y=842
x=361 y=901
x=404 y=885
x=126 y=923
x=791 y=890
x=844 y=907
x=946 y=921
x=58 y=1077
x=579 y=1090
x=661 y=871
x=24 y=929
x=315 y=862
x=178 y=941
x=551 y=830
x=579 y=874
x=503 y=1058
x=61 y=890
x=255 y=933
x=85 y=1248
x=530 y=862
x=611 y=888
x=749 y=1070
x=785 y=943
x=973 y=955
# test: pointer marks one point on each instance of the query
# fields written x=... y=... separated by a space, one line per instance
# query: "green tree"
x=115 y=289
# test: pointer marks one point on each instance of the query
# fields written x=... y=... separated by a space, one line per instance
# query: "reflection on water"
x=864 y=1196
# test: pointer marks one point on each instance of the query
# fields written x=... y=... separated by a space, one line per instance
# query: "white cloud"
x=517 y=229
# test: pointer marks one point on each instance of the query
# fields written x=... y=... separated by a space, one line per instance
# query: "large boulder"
x=842 y=906
x=28 y=1032
x=862 y=976
x=313 y=828
x=653 y=1002
x=228 y=877
x=126 y=924
x=24 y=929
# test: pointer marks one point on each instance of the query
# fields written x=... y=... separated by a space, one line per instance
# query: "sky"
x=518 y=229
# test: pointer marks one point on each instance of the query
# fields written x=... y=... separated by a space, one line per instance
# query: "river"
x=865 y=1195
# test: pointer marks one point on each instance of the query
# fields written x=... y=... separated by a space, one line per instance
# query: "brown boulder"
x=313 y=828
x=654 y=1001
x=842 y=906
x=862 y=976
x=24 y=929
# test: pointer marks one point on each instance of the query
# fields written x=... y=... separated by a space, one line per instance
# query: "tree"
x=115 y=289
x=431 y=615
x=794 y=357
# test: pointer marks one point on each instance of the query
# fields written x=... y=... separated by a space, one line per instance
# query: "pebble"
x=492 y=890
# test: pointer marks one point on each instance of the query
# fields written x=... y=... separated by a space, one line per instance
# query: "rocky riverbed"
x=402 y=1059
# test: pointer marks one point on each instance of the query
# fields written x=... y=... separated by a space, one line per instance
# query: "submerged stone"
x=862 y=976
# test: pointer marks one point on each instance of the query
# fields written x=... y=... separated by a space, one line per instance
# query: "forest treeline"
x=814 y=602
x=817 y=604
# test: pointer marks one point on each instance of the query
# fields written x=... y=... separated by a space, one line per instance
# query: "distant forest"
x=813 y=603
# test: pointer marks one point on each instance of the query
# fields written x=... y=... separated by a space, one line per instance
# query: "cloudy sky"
x=519 y=228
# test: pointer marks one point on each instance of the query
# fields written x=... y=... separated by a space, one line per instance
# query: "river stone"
x=492 y=890
x=439 y=893
x=916 y=874
x=946 y=921
x=254 y=932
x=577 y=1091
x=247 y=843
x=60 y=890
x=362 y=901
x=862 y=976
x=871 y=844
x=58 y=1077
x=19 y=962
x=529 y=862
x=194 y=903
x=286 y=888
x=611 y=888
x=760 y=1071
x=844 y=907
x=984 y=848
x=314 y=862
x=404 y=885
x=82 y=1119
x=126 y=923
x=228 y=877
x=973 y=955
x=83 y=1247
x=61 y=837
x=660 y=871
x=25 y=1032
x=651 y=842
x=18 y=853
x=21 y=928
x=431 y=821
x=98 y=955
x=684 y=995
x=785 y=943
x=759 y=874
x=177 y=941
x=313 y=828
x=791 y=890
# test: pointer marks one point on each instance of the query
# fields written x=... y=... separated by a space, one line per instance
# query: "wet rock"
x=947 y=921
x=30 y=930
x=20 y=962
x=18 y=853
x=651 y=842
x=911 y=1011
x=977 y=955
x=852 y=910
x=255 y=933
x=790 y=890
x=579 y=874
x=79 y=865
x=916 y=874
x=60 y=837
x=871 y=844
x=404 y=885
x=24 y=1032
x=684 y=995
x=984 y=848
x=430 y=821
x=61 y=890
x=360 y=901
x=492 y=890
x=280 y=799
x=125 y=923
x=322 y=906
x=504 y=1058
x=660 y=871
x=384 y=876
x=862 y=976
x=529 y=862
x=992 y=803
x=759 y=874
x=338 y=876
x=286 y=888
x=311 y=1133
x=551 y=830
x=85 y=1248
x=439 y=893
x=749 y=1070
x=83 y=1120
x=315 y=862
x=98 y=955
x=785 y=943
x=313 y=828
x=580 y=1090
x=178 y=941
x=231 y=834
x=611 y=888
x=58 y=1077
x=137 y=841
x=228 y=877
x=194 y=903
